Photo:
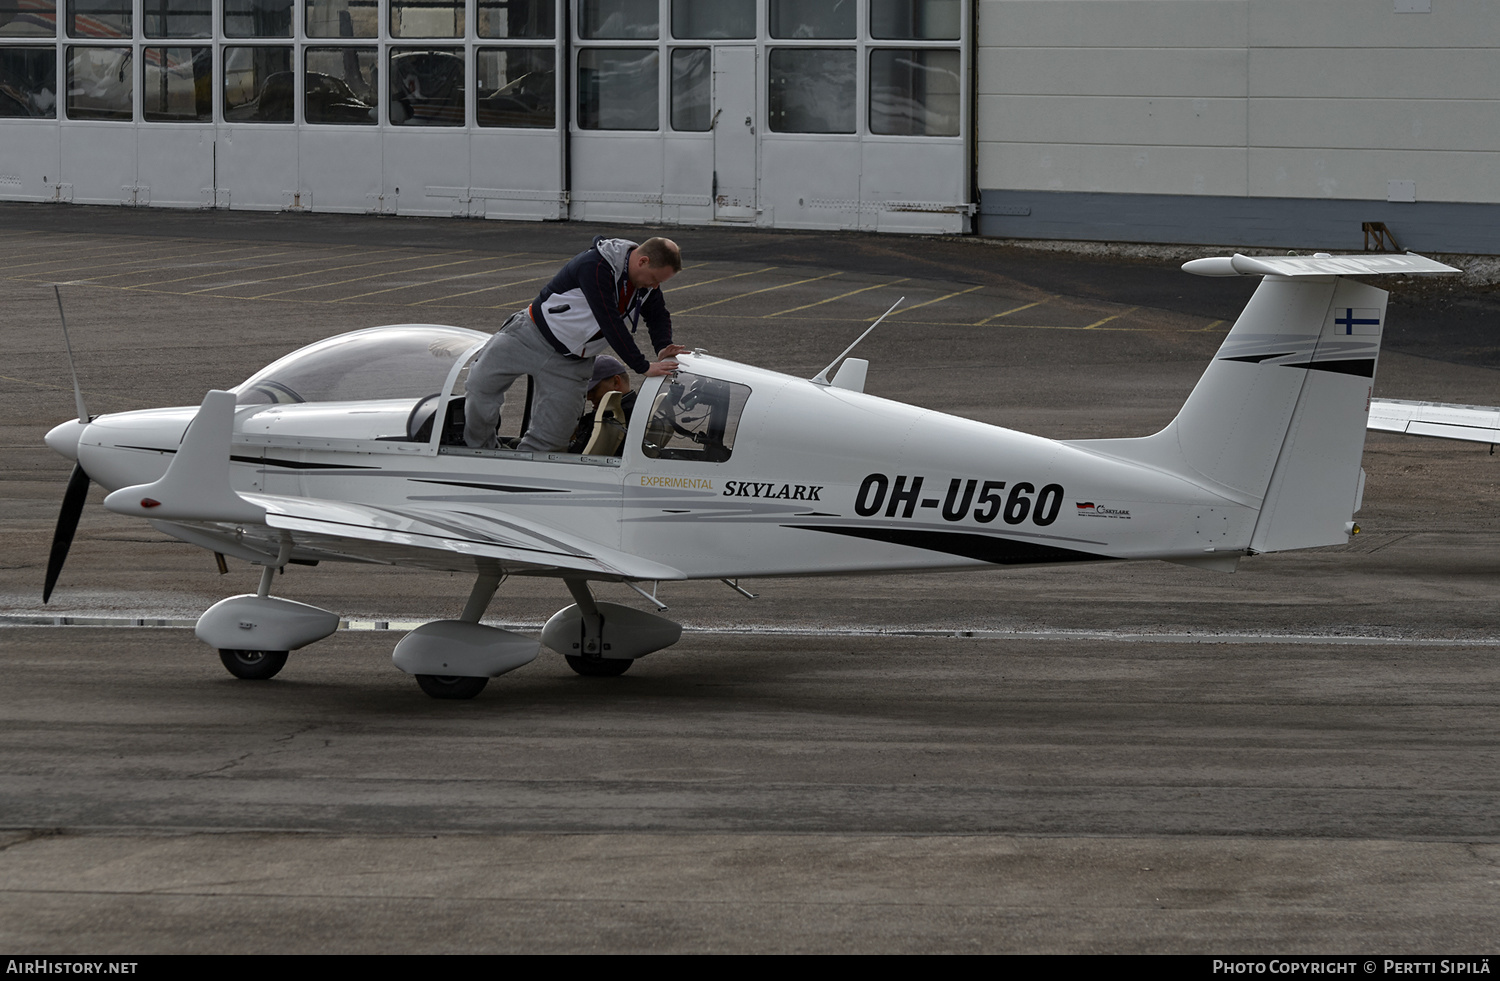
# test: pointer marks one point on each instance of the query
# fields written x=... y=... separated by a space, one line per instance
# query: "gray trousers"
x=559 y=385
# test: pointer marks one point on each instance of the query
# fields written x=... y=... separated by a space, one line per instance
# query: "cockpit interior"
x=391 y=384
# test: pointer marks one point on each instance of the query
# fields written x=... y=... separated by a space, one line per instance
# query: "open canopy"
x=403 y=361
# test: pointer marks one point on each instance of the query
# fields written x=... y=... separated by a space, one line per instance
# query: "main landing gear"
x=253 y=665
x=602 y=640
x=451 y=659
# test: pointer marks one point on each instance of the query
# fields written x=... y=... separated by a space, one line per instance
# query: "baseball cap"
x=606 y=367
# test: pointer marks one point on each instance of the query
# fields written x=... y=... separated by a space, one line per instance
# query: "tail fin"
x=1277 y=422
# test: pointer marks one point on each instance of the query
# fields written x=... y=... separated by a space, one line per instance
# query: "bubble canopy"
x=403 y=361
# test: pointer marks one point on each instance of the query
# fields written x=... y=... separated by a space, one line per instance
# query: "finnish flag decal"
x=1356 y=320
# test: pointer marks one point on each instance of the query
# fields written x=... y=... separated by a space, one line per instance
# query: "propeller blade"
x=67 y=523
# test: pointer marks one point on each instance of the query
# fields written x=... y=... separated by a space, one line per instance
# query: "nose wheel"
x=253 y=665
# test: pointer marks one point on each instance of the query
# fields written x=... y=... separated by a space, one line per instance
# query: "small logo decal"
x=1089 y=509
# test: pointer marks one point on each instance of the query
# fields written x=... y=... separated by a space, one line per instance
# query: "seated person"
x=610 y=375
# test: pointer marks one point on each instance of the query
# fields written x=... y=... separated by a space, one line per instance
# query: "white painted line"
x=27 y=620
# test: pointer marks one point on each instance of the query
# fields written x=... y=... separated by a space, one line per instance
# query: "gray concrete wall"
x=1237 y=220
x=1138 y=108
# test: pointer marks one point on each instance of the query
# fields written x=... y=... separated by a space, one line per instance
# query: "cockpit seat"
x=609 y=427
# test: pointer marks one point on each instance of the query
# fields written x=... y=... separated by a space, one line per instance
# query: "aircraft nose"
x=63 y=439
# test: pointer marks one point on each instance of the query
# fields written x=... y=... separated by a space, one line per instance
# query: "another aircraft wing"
x=448 y=539
x=1476 y=423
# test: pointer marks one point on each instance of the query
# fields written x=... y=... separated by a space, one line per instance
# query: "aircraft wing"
x=1476 y=423
x=448 y=539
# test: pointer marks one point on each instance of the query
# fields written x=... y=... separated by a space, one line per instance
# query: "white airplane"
x=1472 y=423
x=345 y=451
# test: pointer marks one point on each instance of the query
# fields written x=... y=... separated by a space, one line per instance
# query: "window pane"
x=694 y=418
x=517 y=87
x=343 y=18
x=259 y=86
x=340 y=85
x=812 y=90
x=713 y=18
x=257 y=18
x=177 y=84
x=812 y=18
x=692 y=77
x=99 y=18
x=617 y=19
x=28 y=82
x=427 y=18
x=918 y=20
x=99 y=83
x=28 y=18
x=427 y=87
x=617 y=88
x=177 y=18
x=914 y=92
x=517 y=18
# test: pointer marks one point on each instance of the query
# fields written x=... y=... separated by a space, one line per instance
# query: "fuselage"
x=726 y=470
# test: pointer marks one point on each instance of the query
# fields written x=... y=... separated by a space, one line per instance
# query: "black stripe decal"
x=1258 y=358
x=1001 y=551
x=509 y=489
x=294 y=465
x=268 y=461
x=1363 y=367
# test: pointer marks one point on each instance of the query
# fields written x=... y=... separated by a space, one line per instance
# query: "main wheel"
x=451 y=686
x=253 y=665
x=603 y=667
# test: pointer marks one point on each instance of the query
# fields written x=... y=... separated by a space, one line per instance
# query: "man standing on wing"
x=594 y=303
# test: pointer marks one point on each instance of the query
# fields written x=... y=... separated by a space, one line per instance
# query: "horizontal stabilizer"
x=196 y=484
x=1322 y=264
x=1475 y=423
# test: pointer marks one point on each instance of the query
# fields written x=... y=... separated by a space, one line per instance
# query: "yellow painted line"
x=1212 y=325
x=317 y=272
x=214 y=272
x=1007 y=313
x=32 y=249
x=375 y=275
x=955 y=323
x=487 y=289
x=705 y=282
x=274 y=279
x=428 y=282
x=918 y=306
x=134 y=246
x=89 y=396
x=1113 y=317
x=356 y=279
x=768 y=289
x=862 y=289
x=149 y=262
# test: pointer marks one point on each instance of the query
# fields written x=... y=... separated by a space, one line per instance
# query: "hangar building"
x=1256 y=122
